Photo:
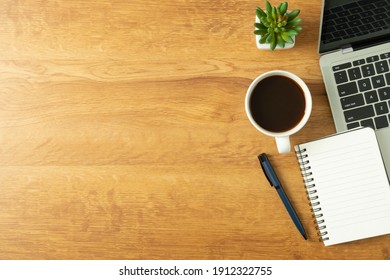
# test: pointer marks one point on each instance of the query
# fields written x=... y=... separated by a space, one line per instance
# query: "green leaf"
x=274 y=13
x=260 y=32
x=259 y=25
x=291 y=32
x=280 y=41
x=273 y=44
x=263 y=38
x=279 y=6
x=268 y=7
x=294 y=22
x=293 y=14
x=264 y=21
x=297 y=28
x=271 y=37
x=283 y=8
x=287 y=38
x=260 y=13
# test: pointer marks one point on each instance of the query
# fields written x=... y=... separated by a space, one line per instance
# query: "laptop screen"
x=354 y=23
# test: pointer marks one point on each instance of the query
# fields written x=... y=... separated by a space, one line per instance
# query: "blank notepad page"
x=348 y=185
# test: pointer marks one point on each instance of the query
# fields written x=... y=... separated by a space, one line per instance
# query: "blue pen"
x=274 y=181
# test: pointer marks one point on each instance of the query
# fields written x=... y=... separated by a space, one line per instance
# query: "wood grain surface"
x=123 y=133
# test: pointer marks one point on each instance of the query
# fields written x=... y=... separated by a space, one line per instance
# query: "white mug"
x=282 y=138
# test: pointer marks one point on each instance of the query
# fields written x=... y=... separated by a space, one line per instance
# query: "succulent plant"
x=277 y=25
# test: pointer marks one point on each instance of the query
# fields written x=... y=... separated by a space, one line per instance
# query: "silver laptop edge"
x=337 y=57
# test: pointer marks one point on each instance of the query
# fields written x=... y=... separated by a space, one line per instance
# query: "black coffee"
x=277 y=103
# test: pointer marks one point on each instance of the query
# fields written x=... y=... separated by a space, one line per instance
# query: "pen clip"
x=263 y=160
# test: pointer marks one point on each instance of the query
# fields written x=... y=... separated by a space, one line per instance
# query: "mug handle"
x=283 y=144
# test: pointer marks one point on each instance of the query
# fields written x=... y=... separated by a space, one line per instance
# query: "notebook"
x=355 y=64
x=347 y=185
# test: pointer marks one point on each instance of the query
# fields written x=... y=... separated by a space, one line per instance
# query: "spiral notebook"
x=347 y=185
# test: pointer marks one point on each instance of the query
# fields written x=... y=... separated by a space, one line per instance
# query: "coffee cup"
x=278 y=104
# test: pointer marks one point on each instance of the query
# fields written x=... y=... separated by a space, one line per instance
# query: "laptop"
x=354 y=48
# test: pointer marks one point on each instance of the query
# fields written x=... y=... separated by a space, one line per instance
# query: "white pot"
x=266 y=46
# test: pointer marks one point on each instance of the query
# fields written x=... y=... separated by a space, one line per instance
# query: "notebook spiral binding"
x=311 y=193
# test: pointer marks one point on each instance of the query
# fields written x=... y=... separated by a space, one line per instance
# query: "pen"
x=274 y=181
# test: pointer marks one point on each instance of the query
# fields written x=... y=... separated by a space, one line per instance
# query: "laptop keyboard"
x=355 y=19
x=364 y=89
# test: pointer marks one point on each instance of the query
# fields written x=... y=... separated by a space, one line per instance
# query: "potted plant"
x=276 y=27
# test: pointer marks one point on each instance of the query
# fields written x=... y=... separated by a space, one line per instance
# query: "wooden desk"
x=123 y=134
